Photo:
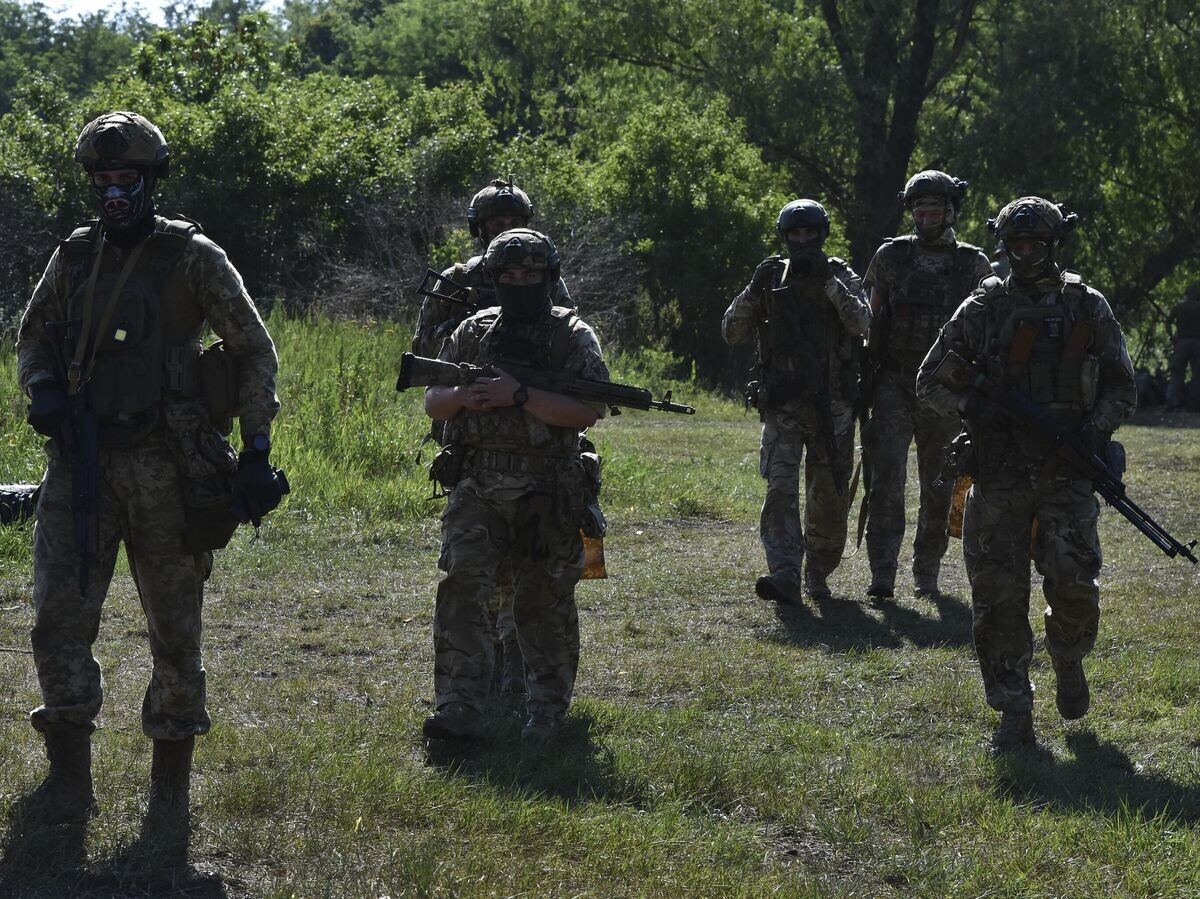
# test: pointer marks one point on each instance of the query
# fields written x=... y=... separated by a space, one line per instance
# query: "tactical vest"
x=931 y=285
x=803 y=348
x=543 y=344
x=1042 y=350
x=146 y=338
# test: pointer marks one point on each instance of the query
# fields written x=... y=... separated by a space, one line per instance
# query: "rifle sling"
x=78 y=376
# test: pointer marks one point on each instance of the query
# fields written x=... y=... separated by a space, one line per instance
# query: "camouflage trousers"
x=141 y=504
x=1066 y=551
x=480 y=527
x=1185 y=355
x=897 y=418
x=790 y=435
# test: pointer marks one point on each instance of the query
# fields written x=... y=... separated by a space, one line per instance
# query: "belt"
x=513 y=463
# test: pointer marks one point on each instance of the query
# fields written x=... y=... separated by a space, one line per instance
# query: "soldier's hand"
x=47 y=409
x=487 y=394
x=257 y=487
x=764 y=276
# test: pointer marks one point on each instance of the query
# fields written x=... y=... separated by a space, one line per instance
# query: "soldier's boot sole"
x=1071 y=694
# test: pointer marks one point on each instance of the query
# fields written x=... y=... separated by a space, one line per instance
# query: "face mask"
x=123 y=206
x=1033 y=264
x=805 y=256
x=522 y=302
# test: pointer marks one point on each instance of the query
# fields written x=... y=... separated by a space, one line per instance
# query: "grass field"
x=717 y=746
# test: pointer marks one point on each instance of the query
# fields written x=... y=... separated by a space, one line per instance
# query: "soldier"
x=916 y=282
x=495 y=209
x=1184 y=326
x=138 y=290
x=808 y=313
x=1046 y=335
x=520 y=493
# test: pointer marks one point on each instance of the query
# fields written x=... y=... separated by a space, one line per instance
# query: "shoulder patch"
x=80 y=241
x=838 y=261
x=990 y=284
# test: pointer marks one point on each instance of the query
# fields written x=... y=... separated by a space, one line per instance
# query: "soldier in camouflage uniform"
x=1047 y=335
x=518 y=491
x=139 y=289
x=1184 y=326
x=808 y=313
x=915 y=282
x=495 y=209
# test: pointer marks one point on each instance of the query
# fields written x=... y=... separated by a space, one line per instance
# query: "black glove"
x=47 y=409
x=764 y=276
x=1093 y=439
x=975 y=407
x=257 y=487
x=812 y=263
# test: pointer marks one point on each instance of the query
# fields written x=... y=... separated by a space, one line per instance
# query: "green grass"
x=716 y=747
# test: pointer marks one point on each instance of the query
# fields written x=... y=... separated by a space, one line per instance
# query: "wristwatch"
x=260 y=443
x=520 y=395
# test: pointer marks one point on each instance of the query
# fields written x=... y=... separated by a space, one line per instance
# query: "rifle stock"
x=465 y=297
x=959 y=375
x=419 y=371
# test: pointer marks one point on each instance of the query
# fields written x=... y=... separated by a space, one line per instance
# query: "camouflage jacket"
x=198 y=286
x=1093 y=384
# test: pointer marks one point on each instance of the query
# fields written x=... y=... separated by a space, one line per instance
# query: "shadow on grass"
x=572 y=767
x=845 y=625
x=1100 y=778
x=47 y=858
x=1156 y=418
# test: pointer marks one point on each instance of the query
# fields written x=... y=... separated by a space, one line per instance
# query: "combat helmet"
x=119 y=140
x=499 y=198
x=1033 y=217
x=931 y=182
x=526 y=248
x=803 y=214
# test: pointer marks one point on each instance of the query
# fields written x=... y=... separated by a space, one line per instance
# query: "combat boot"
x=816 y=584
x=780 y=587
x=541 y=728
x=1014 y=732
x=925 y=583
x=66 y=793
x=454 y=721
x=883 y=585
x=512 y=668
x=1072 y=695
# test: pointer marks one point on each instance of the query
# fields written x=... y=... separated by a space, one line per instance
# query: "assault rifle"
x=959 y=375
x=81 y=441
x=418 y=371
x=470 y=297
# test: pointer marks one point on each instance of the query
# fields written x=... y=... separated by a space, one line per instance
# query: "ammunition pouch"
x=207 y=463
x=208 y=523
x=446 y=469
x=220 y=385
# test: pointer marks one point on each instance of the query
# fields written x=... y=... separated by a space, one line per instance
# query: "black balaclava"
x=523 y=302
x=1035 y=265
x=127 y=210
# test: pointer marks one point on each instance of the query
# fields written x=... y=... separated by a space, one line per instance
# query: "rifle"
x=464 y=295
x=81 y=442
x=959 y=375
x=419 y=371
x=823 y=407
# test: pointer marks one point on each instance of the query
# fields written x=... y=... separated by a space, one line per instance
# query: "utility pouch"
x=1114 y=457
x=220 y=385
x=208 y=523
x=594 y=523
x=446 y=468
x=199 y=449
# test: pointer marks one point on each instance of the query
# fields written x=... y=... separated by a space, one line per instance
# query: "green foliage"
x=704 y=201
